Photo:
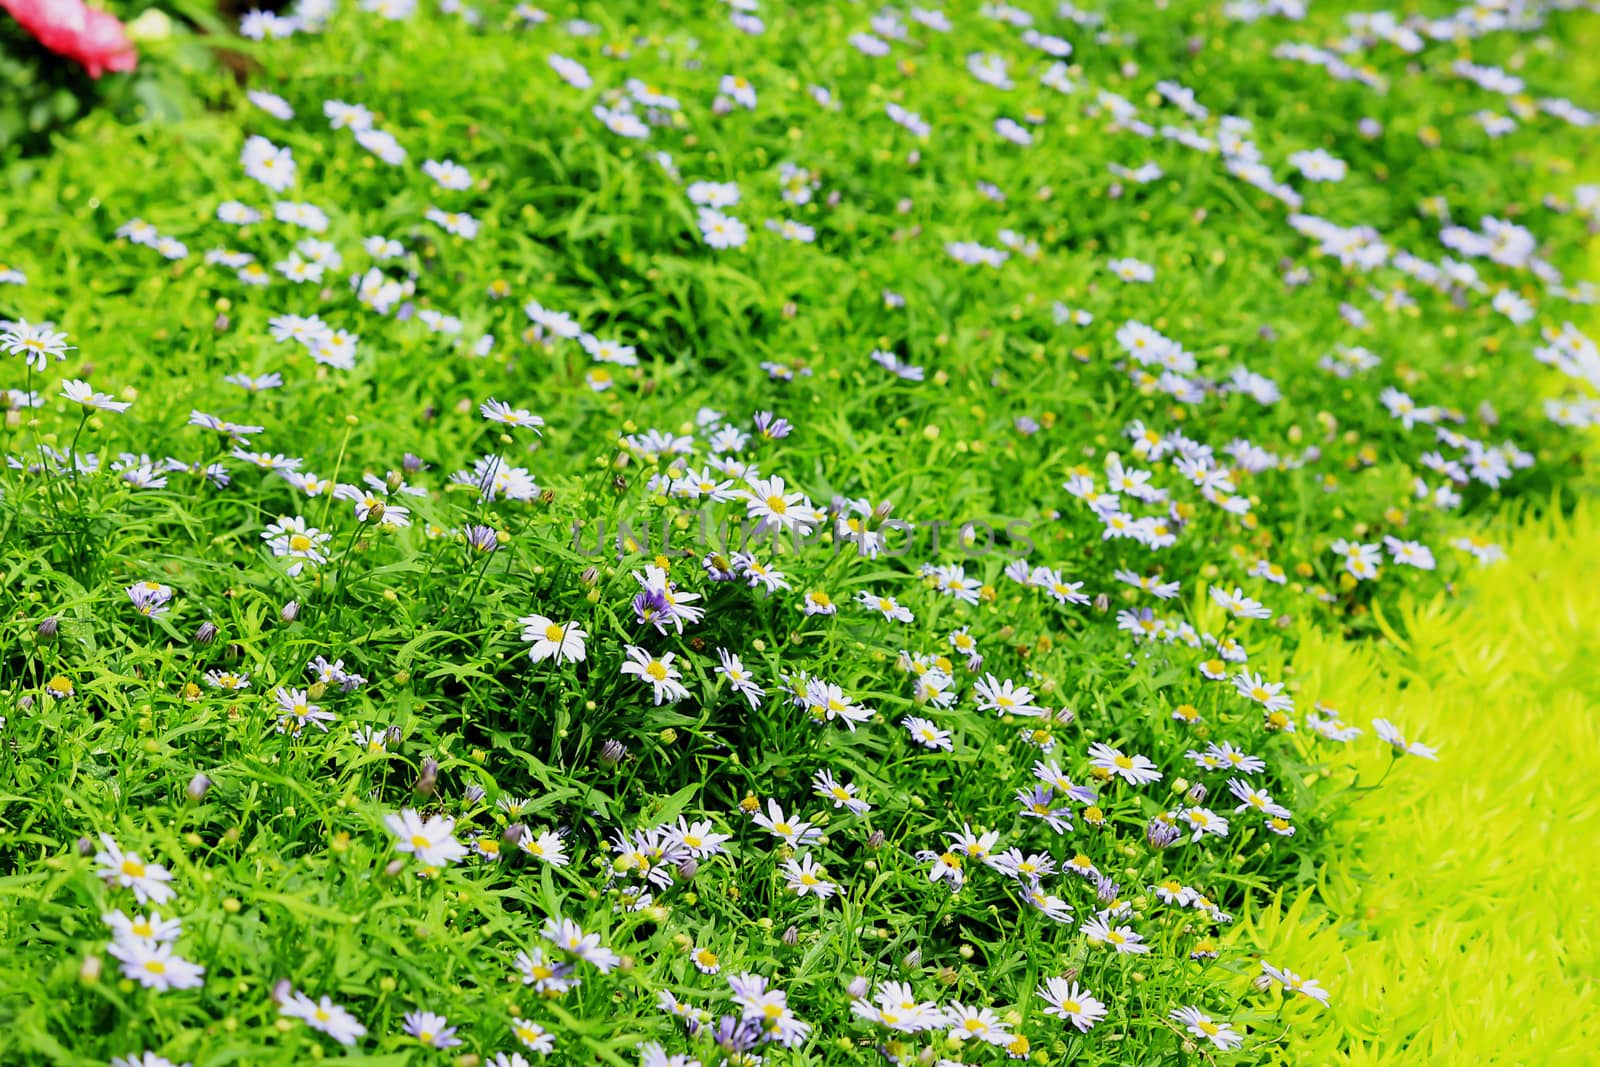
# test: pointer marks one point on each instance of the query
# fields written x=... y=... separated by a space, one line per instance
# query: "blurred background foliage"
x=42 y=93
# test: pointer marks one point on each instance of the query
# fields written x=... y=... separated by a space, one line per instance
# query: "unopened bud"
x=206 y=634
x=791 y=936
x=411 y=463
x=912 y=960
x=688 y=868
x=1106 y=891
x=858 y=987
x=394 y=868
x=428 y=780
x=394 y=481
x=199 y=785
x=513 y=834
x=50 y=627
x=84 y=846
x=473 y=794
x=376 y=511
x=1102 y=603
x=1262 y=983
x=947 y=976
x=613 y=753
x=1196 y=793
x=876 y=839
x=1160 y=834
x=89 y=970
x=290 y=612
x=589 y=575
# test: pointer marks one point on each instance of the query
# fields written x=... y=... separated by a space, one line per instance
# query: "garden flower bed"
x=738 y=533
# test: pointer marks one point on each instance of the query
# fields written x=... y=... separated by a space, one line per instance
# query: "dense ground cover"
x=1455 y=930
x=1062 y=371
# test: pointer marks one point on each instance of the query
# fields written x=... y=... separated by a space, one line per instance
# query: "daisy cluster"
x=730 y=534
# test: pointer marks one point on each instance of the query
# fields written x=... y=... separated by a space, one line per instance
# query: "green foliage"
x=41 y=93
x=1456 y=930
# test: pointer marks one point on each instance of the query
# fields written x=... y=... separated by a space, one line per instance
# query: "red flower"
x=69 y=28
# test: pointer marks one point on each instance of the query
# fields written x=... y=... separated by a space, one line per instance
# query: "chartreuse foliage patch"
x=683 y=533
x=1456 y=929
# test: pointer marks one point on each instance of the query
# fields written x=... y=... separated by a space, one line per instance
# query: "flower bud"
x=198 y=787
x=50 y=627
x=428 y=780
x=858 y=987
x=85 y=846
x=1160 y=834
x=394 y=868
x=1105 y=890
x=791 y=936
x=513 y=834
x=912 y=960
x=206 y=634
x=394 y=481
x=412 y=464
x=1102 y=603
x=688 y=868
x=290 y=612
x=613 y=753
x=375 y=512
x=473 y=793
x=876 y=839
x=89 y=970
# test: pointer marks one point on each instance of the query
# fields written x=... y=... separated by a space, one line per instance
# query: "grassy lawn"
x=689 y=532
